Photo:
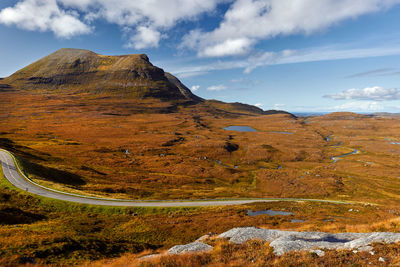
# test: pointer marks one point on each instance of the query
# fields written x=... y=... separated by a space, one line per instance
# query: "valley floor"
x=111 y=148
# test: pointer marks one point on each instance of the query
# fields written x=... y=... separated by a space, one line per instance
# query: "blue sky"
x=300 y=56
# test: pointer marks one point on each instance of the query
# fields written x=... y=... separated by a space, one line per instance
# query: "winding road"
x=15 y=176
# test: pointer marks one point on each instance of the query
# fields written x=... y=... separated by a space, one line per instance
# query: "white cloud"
x=194 y=88
x=376 y=93
x=183 y=75
x=358 y=106
x=245 y=23
x=44 y=15
x=355 y=106
x=217 y=87
x=258 y=105
x=383 y=71
x=228 y=48
x=254 y=20
x=147 y=20
x=313 y=54
x=144 y=38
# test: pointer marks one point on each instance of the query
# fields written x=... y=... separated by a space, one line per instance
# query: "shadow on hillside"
x=17 y=216
x=9 y=145
x=37 y=170
x=51 y=174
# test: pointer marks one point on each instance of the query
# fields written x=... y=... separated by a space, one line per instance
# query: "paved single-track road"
x=13 y=173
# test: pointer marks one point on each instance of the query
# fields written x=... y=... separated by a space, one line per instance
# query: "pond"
x=222 y=164
x=268 y=212
x=240 y=128
x=280 y=132
x=335 y=159
x=296 y=221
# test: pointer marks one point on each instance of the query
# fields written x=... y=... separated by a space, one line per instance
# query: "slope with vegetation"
x=120 y=127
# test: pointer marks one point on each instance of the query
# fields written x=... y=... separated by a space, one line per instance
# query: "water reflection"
x=268 y=212
x=240 y=129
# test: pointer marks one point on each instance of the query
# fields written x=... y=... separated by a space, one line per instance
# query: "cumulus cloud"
x=376 y=93
x=217 y=87
x=248 y=21
x=44 y=15
x=243 y=25
x=194 y=88
x=147 y=20
x=258 y=105
x=144 y=38
x=228 y=48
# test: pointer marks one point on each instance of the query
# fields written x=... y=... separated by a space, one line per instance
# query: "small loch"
x=297 y=221
x=268 y=212
x=240 y=128
x=336 y=158
x=280 y=132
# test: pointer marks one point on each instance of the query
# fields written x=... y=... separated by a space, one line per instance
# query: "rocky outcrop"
x=286 y=241
x=191 y=247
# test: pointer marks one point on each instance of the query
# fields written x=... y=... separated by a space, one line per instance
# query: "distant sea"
x=309 y=114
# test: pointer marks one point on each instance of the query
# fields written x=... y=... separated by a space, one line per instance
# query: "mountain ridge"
x=83 y=71
x=77 y=71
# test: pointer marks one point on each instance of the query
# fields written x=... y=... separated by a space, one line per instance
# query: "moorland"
x=119 y=127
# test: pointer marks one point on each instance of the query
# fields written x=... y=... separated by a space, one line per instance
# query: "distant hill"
x=241 y=108
x=385 y=114
x=345 y=116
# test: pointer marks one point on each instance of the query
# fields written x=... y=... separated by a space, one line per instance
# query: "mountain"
x=79 y=71
x=83 y=71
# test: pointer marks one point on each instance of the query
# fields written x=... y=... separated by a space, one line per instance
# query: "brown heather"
x=122 y=128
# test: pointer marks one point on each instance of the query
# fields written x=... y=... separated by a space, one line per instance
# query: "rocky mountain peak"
x=79 y=70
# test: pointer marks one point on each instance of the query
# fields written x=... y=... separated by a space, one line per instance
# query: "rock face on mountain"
x=83 y=71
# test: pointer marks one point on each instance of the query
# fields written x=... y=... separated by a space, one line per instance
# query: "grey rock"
x=383 y=237
x=285 y=241
x=151 y=256
x=243 y=234
x=319 y=252
x=191 y=247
